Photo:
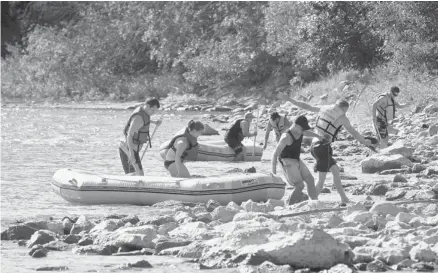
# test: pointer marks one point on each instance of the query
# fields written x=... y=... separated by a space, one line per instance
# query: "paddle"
x=256 y=127
x=150 y=139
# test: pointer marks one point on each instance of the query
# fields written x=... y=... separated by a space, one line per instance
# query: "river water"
x=35 y=142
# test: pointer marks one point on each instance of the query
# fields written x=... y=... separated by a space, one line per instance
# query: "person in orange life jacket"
x=288 y=153
x=277 y=123
x=331 y=119
x=384 y=112
x=136 y=134
x=236 y=133
x=183 y=147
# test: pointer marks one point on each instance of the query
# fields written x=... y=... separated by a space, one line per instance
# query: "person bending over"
x=183 y=147
x=277 y=123
x=236 y=133
x=288 y=152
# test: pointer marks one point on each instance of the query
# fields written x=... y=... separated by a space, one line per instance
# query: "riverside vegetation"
x=78 y=51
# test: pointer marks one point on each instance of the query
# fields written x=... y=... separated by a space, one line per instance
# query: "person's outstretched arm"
x=298 y=103
x=347 y=125
x=268 y=132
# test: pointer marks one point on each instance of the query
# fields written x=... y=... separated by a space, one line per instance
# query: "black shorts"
x=382 y=128
x=127 y=167
x=235 y=144
x=167 y=163
x=323 y=153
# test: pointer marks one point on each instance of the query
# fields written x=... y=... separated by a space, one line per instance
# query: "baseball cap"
x=248 y=115
x=302 y=121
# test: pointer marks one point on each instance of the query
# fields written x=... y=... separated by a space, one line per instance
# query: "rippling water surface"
x=38 y=141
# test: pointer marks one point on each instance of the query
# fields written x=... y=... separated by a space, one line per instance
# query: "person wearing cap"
x=288 y=152
x=136 y=133
x=383 y=114
x=331 y=119
x=234 y=136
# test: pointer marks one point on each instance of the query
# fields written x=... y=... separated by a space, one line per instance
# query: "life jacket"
x=382 y=109
x=235 y=131
x=281 y=126
x=142 y=135
x=191 y=153
x=294 y=150
x=328 y=123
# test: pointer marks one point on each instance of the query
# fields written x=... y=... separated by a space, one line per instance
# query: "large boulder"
x=398 y=148
x=18 y=232
x=310 y=248
x=134 y=238
x=378 y=163
x=189 y=230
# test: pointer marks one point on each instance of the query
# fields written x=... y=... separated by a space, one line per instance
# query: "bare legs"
x=336 y=181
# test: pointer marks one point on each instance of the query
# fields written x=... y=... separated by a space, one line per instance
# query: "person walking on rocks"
x=384 y=112
x=330 y=120
x=287 y=152
x=136 y=133
x=236 y=133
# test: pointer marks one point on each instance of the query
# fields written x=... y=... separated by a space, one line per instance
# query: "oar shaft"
x=150 y=140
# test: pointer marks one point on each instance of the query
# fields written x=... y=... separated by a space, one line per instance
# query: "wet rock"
x=378 y=163
x=72 y=239
x=85 y=242
x=138 y=264
x=395 y=194
x=385 y=208
x=422 y=253
x=399 y=178
x=406 y=263
x=105 y=250
x=378 y=189
x=212 y=205
x=41 y=237
x=376 y=266
x=52 y=268
x=173 y=251
x=352 y=241
x=57 y=246
x=166 y=243
x=18 y=232
x=398 y=148
x=250 y=170
x=38 y=251
x=164 y=229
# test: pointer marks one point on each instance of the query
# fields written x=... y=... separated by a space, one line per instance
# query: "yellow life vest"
x=280 y=127
x=386 y=109
x=328 y=123
x=142 y=135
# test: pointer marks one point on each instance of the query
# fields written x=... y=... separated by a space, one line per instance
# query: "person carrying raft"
x=234 y=136
x=330 y=120
x=136 y=133
x=288 y=152
x=183 y=147
x=384 y=113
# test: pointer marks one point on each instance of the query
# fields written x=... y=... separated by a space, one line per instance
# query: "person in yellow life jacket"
x=331 y=119
x=288 y=152
x=384 y=109
x=234 y=136
x=183 y=147
x=279 y=124
x=136 y=134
